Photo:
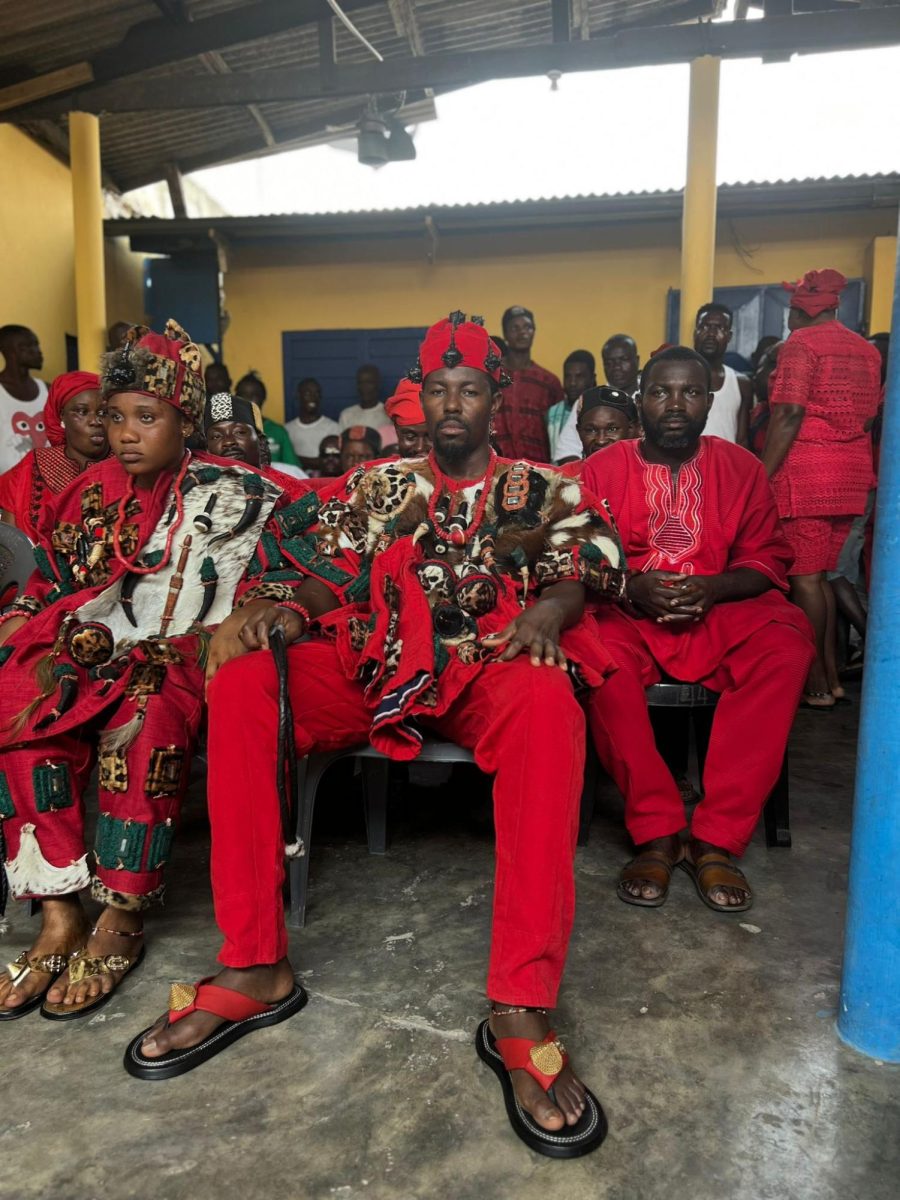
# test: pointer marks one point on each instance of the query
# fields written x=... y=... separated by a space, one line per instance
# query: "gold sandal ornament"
x=87 y=966
x=84 y=966
x=46 y=964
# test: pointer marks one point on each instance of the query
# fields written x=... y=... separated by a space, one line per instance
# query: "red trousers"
x=523 y=724
x=760 y=682
x=139 y=793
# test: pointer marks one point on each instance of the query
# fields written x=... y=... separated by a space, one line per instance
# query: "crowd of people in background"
x=543 y=418
x=679 y=519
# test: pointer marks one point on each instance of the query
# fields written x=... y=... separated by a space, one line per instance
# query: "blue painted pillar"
x=869 y=1015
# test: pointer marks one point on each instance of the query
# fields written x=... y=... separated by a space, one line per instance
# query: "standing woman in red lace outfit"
x=818 y=454
x=76 y=430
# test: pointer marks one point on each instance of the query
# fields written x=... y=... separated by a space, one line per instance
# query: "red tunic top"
x=27 y=488
x=836 y=376
x=520 y=426
x=718 y=515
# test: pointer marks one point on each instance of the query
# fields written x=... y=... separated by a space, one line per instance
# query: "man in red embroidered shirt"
x=709 y=571
x=520 y=426
x=823 y=399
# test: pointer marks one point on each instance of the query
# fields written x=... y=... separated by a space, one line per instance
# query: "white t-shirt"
x=21 y=425
x=374 y=417
x=290 y=469
x=723 y=416
x=306 y=438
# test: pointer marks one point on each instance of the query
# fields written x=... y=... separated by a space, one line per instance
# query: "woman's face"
x=84 y=422
x=146 y=435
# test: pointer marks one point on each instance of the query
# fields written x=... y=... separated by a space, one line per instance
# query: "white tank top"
x=723 y=416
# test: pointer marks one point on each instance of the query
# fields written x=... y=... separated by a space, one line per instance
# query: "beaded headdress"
x=456 y=342
x=166 y=366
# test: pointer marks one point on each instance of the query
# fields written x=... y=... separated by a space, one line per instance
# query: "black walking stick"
x=286 y=765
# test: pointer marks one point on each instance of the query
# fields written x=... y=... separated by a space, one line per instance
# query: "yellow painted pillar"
x=882 y=265
x=698 y=229
x=87 y=206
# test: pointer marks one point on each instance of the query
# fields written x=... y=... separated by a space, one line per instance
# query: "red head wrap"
x=817 y=291
x=456 y=342
x=63 y=389
x=405 y=406
x=166 y=366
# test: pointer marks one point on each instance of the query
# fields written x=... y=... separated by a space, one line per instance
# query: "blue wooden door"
x=333 y=356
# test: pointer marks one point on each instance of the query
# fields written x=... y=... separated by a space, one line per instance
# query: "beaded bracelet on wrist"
x=296 y=608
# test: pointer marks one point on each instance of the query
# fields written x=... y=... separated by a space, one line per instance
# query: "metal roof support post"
x=698 y=228
x=87 y=208
x=869 y=1013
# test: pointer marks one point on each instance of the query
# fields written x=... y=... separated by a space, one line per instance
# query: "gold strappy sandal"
x=51 y=965
x=84 y=966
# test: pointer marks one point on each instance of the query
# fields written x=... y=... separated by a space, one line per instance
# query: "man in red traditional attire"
x=520 y=424
x=101 y=662
x=709 y=571
x=442 y=594
x=823 y=399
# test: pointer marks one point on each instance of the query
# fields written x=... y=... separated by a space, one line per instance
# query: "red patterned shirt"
x=835 y=375
x=520 y=427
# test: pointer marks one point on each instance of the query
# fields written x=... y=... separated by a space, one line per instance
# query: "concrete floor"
x=709 y=1039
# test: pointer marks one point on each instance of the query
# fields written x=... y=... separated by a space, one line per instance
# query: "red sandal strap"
x=186 y=998
x=542 y=1060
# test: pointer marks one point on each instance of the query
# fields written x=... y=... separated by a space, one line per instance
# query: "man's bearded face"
x=675 y=404
x=458 y=404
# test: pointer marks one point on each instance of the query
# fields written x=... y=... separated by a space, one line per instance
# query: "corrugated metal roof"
x=38 y=36
x=806 y=196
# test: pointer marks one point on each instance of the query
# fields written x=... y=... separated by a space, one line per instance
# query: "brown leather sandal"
x=713 y=870
x=650 y=866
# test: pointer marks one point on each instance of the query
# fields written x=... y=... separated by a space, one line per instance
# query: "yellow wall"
x=37 y=253
x=583 y=284
x=36 y=245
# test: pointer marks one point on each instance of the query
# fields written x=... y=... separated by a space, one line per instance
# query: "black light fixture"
x=372 y=149
x=383 y=139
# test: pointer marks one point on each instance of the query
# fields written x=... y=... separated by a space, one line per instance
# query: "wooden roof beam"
x=151 y=44
x=632 y=47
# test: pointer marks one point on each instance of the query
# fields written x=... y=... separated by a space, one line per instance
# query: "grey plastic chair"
x=375 y=769
x=16 y=558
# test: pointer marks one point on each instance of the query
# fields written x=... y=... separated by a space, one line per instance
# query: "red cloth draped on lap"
x=415 y=608
x=719 y=517
x=420 y=684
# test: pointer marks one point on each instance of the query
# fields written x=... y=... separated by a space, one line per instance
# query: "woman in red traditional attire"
x=76 y=430
x=823 y=399
x=102 y=662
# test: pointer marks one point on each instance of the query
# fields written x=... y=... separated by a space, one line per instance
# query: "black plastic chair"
x=698 y=704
